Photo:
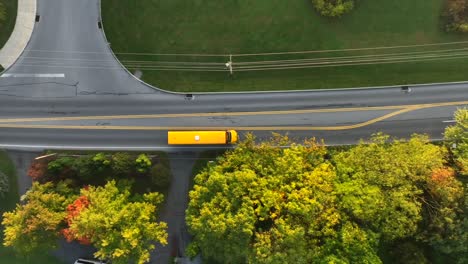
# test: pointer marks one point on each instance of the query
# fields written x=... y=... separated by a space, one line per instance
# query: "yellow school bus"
x=201 y=137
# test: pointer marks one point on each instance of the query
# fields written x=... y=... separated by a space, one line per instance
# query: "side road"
x=21 y=34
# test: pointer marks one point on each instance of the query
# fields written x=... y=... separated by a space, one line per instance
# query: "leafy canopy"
x=121 y=227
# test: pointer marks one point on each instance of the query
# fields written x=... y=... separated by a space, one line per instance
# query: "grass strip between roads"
x=7 y=25
x=244 y=26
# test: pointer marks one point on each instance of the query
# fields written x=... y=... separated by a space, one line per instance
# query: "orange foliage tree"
x=73 y=211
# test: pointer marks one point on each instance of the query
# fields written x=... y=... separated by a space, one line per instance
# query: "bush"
x=456 y=15
x=4 y=184
x=333 y=8
x=160 y=176
x=143 y=163
x=122 y=164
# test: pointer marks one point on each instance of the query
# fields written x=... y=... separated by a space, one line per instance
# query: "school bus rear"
x=201 y=137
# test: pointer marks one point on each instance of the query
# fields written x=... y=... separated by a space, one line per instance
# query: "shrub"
x=160 y=176
x=333 y=8
x=122 y=164
x=4 y=184
x=143 y=163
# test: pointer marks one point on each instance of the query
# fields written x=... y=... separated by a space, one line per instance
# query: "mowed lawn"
x=8 y=23
x=246 y=26
x=7 y=203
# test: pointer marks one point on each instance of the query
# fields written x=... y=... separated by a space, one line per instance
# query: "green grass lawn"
x=7 y=203
x=7 y=25
x=244 y=26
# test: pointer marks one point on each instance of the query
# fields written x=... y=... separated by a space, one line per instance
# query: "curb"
x=269 y=92
x=21 y=35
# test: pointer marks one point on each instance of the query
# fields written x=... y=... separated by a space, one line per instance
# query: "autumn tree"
x=73 y=211
x=265 y=204
x=457 y=138
x=121 y=227
x=36 y=223
x=446 y=222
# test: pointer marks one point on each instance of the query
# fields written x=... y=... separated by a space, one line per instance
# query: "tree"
x=457 y=138
x=446 y=225
x=36 y=224
x=160 y=176
x=381 y=183
x=84 y=167
x=264 y=204
x=122 y=164
x=38 y=169
x=122 y=228
x=101 y=162
x=59 y=169
x=4 y=184
x=143 y=163
x=73 y=211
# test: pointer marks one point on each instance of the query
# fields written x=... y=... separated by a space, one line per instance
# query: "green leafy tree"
x=122 y=228
x=381 y=183
x=160 y=176
x=59 y=165
x=143 y=163
x=84 y=167
x=36 y=223
x=457 y=137
x=264 y=204
x=122 y=164
x=101 y=162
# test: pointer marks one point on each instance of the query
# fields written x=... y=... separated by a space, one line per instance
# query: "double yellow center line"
x=399 y=109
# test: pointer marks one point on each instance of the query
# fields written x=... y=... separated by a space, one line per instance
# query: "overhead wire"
x=258 y=65
x=258 y=54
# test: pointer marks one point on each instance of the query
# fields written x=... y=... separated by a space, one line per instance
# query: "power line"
x=278 y=65
x=259 y=54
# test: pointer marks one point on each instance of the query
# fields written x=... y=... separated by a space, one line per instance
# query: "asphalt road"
x=68 y=71
x=68 y=92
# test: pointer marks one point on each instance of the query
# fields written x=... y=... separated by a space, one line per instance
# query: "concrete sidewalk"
x=21 y=34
